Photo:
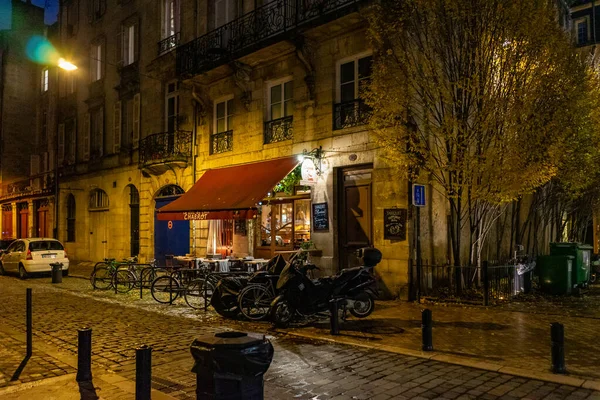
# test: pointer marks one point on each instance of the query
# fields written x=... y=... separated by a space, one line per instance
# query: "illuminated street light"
x=67 y=66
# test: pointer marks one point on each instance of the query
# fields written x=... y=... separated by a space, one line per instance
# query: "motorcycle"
x=355 y=289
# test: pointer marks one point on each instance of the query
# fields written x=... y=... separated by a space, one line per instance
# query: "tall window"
x=71 y=218
x=96 y=9
x=172 y=106
x=70 y=140
x=44 y=126
x=224 y=116
x=225 y=11
x=45 y=78
x=354 y=75
x=98 y=200
x=281 y=103
x=129 y=42
x=97 y=132
x=171 y=20
x=127 y=124
x=96 y=57
x=582 y=30
x=72 y=11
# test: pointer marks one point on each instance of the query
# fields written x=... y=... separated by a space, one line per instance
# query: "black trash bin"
x=56 y=272
x=230 y=365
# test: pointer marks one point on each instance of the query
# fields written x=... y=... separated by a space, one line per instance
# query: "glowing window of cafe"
x=284 y=222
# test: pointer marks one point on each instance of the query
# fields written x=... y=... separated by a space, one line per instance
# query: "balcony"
x=266 y=25
x=162 y=151
x=279 y=130
x=168 y=44
x=350 y=114
x=221 y=142
x=40 y=184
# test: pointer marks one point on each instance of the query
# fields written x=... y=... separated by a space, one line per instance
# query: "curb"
x=457 y=360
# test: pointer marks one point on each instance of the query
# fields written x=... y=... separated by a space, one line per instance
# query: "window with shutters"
x=129 y=42
x=353 y=76
x=71 y=218
x=61 y=143
x=44 y=125
x=97 y=132
x=171 y=18
x=96 y=9
x=127 y=139
x=222 y=138
x=96 y=61
x=117 y=128
x=172 y=106
x=72 y=17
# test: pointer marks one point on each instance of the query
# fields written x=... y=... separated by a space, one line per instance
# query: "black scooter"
x=302 y=296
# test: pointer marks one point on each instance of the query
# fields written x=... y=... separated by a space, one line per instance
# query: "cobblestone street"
x=300 y=369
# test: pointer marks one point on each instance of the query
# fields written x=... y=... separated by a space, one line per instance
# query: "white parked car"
x=31 y=255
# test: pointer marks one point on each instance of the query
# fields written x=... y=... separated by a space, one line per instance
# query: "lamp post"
x=67 y=66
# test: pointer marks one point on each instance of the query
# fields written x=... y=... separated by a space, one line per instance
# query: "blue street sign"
x=419 y=195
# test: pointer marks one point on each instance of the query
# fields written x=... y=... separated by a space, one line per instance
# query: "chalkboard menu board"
x=240 y=227
x=320 y=217
x=394 y=223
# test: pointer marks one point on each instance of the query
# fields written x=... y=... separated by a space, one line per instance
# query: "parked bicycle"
x=110 y=273
x=196 y=285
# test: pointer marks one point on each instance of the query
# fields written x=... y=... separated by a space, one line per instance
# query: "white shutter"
x=101 y=131
x=86 y=136
x=137 y=104
x=34 y=164
x=117 y=127
x=61 y=143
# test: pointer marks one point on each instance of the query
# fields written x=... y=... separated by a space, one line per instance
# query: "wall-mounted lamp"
x=316 y=155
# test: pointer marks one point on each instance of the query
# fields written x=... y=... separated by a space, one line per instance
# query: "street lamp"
x=67 y=66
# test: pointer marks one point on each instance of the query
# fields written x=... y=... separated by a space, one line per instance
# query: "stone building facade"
x=168 y=89
x=26 y=107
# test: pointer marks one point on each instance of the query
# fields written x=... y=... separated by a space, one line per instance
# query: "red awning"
x=229 y=193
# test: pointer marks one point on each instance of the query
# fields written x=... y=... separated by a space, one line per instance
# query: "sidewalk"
x=81 y=269
x=50 y=374
x=495 y=339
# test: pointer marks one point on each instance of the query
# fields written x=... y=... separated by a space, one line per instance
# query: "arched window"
x=71 y=218
x=98 y=200
x=170 y=190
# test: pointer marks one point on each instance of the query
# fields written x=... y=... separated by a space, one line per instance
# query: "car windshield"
x=43 y=245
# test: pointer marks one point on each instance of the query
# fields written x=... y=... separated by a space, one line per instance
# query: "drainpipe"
x=195 y=103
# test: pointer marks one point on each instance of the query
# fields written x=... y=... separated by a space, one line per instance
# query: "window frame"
x=227 y=116
x=98 y=200
x=129 y=42
x=338 y=75
x=169 y=15
x=282 y=82
x=174 y=94
x=97 y=139
x=45 y=80
x=579 y=21
x=97 y=62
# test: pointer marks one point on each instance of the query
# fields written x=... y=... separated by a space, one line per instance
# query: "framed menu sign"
x=394 y=223
x=320 y=217
x=240 y=227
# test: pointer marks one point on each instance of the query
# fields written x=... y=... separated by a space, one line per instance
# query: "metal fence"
x=485 y=284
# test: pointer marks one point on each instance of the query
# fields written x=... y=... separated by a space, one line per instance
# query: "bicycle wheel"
x=255 y=302
x=123 y=280
x=195 y=293
x=165 y=289
x=148 y=276
x=101 y=278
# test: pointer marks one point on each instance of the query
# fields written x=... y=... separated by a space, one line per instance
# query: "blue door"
x=170 y=237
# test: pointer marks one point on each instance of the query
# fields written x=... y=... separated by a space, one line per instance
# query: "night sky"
x=51 y=11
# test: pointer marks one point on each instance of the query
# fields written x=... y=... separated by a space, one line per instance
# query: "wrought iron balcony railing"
x=350 y=114
x=279 y=130
x=259 y=28
x=168 y=44
x=36 y=184
x=165 y=147
x=221 y=142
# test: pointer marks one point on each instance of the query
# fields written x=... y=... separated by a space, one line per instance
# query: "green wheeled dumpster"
x=555 y=273
x=582 y=254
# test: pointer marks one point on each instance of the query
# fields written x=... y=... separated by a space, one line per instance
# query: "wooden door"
x=7 y=224
x=22 y=222
x=355 y=215
x=98 y=236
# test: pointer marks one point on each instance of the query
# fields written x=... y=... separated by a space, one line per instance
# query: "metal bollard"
x=56 y=272
x=557 y=335
x=143 y=372
x=426 y=328
x=334 y=318
x=84 y=355
x=29 y=324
